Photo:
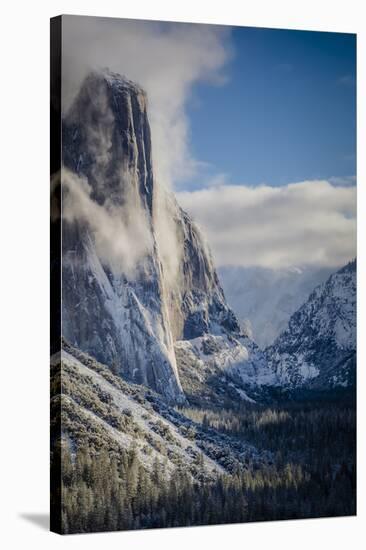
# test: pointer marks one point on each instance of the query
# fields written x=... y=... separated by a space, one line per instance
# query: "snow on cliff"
x=319 y=346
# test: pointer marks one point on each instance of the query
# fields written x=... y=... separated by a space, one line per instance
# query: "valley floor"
x=131 y=462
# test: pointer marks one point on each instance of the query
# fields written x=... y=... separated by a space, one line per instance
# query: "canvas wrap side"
x=55 y=270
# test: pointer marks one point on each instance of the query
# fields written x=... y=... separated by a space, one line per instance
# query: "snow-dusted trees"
x=311 y=473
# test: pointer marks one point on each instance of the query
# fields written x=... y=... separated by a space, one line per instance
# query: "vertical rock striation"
x=113 y=299
x=137 y=274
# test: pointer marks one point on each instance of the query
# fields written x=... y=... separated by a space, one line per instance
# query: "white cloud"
x=306 y=223
x=166 y=59
x=121 y=234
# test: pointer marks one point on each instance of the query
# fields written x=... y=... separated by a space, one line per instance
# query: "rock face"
x=318 y=349
x=136 y=275
x=113 y=296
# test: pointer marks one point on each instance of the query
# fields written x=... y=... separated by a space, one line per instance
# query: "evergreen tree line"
x=104 y=491
x=314 y=431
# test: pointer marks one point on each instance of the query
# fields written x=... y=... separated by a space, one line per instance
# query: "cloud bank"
x=166 y=59
x=308 y=223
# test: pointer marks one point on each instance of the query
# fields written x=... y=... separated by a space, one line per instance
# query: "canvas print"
x=203 y=274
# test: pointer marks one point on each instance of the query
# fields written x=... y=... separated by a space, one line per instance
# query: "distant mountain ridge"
x=318 y=349
x=264 y=299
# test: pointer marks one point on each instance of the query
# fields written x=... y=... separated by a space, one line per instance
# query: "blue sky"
x=286 y=113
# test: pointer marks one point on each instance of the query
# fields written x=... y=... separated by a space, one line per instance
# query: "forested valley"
x=312 y=474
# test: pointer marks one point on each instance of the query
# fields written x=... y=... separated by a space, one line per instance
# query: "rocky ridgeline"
x=318 y=349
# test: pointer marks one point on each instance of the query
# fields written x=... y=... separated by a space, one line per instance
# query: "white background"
x=24 y=286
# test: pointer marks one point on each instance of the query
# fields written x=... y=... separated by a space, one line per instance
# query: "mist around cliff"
x=166 y=59
x=121 y=234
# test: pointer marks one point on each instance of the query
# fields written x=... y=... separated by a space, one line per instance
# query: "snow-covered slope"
x=318 y=350
x=264 y=299
x=223 y=369
x=137 y=274
x=99 y=409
